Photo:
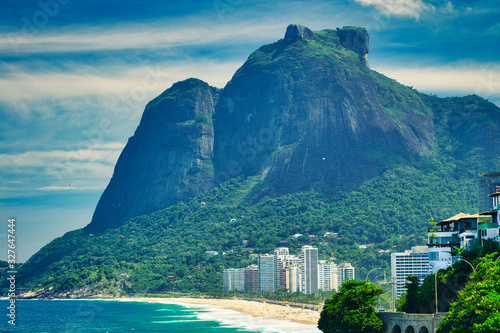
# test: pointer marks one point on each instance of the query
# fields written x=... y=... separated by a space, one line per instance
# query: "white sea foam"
x=246 y=322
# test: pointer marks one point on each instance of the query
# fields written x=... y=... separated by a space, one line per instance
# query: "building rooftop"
x=490 y=212
x=490 y=174
x=459 y=217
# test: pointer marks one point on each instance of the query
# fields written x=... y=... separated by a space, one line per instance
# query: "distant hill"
x=304 y=139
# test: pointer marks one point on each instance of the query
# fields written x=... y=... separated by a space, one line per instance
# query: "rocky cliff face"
x=357 y=40
x=167 y=160
x=306 y=109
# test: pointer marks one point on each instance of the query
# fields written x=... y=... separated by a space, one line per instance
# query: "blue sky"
x=75 y=77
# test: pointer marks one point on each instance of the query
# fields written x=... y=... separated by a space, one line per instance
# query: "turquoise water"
x=55 y=316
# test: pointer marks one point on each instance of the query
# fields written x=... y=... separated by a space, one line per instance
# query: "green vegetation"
x=450 y=282
x=165 y=251
x=409 y=300
x=352 y=309
x=476 y=309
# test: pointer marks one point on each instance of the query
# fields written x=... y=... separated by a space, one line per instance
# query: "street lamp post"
x=394 y=288
x=393 y=301
x=473 y=268
x=435 y=285
x=367 y=275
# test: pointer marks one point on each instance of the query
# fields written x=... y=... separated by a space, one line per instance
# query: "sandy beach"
x=257 y=309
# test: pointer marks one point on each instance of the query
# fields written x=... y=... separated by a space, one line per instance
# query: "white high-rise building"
x=327 y=276
x=268 y=273
x=284 y=261
x=233 y=279
x=294 y=279
x=345 y=272
x=309 y=269
x=409 y=263
x=282 y=251
x=283 y=255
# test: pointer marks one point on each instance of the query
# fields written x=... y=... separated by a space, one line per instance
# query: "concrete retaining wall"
x=401 y=322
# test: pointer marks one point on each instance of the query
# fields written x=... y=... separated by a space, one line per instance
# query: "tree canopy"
x=410 y=298
x=476 y=309
x=352 y=309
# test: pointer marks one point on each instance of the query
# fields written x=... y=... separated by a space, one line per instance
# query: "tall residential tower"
x=309 y=269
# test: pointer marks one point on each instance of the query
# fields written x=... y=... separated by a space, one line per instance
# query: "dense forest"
x=165 y=251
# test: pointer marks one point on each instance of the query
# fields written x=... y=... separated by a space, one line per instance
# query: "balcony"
x=443 y=233
x=442 y=229
x=444 y=245
x=468 y=230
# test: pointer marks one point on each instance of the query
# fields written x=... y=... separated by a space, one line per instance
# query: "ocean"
x=115 y=316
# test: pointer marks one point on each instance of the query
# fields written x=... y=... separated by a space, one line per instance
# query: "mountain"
x=167 y=160
x=302 y=112
x=308 y=110
x=304 y=139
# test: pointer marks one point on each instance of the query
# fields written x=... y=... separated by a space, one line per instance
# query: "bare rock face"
x=357 y=40
x=295 y=32
x=310 y=112
x=167 y=160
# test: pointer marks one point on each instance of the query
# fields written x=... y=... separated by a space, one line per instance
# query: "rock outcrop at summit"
x=295 y=32
x=357 y=40
x=167 y=160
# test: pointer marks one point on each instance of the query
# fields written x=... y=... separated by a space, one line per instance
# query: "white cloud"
x=84 y=169
x=411 y=8
x=69 y=187
x=105 y=154
x=136 y=36
x=450 y=80
x=140 y=83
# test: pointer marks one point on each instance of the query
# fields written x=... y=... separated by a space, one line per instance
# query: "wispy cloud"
x=69 y=188
x=84 y=80
x=32 y=172
x=482 y=80
x=137 y=36
x=108 y=154
x=410 y=8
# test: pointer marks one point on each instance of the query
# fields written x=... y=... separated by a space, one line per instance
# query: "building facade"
x=284 y=261
x=309 y=269
x=290 y=273
x=328 y=276
x=487 y=184
x=268 y=275
x=252 y=278
x=345 y=272
x=233 y=279
x=409 y=263
x=295 y=278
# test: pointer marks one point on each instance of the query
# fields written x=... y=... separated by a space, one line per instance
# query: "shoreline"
x=256 y=309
